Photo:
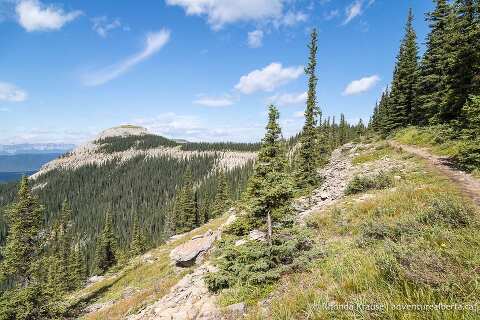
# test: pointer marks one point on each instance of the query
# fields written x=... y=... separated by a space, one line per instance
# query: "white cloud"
x=292 y=18
x=288 y=99
x=356 y=9
x=255 y=39
x=103 y=26
x=34 y=16
x=299 y=114
x=361 y=85
x=11 y=93
x=214 y=102
x=353 y=10
x=153 y=43
x=221 y=12
x=268 y=78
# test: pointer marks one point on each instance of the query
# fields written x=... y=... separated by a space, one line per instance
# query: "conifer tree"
x=138 y=243
x=22 y=249
x=270 y=188
x=464 y=72
x=185 y=213
x=77 y=268
x=432 y=88
x=404 y=84
x=221 y=202
x=306 y=175
x=105 y=256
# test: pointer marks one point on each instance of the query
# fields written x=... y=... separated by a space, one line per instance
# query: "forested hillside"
x=135 y=177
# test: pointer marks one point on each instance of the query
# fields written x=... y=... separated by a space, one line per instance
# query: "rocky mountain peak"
x=122 y=131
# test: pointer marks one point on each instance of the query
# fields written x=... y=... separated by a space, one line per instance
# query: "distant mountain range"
x=28 y=148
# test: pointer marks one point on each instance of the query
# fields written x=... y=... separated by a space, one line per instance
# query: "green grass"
x=435 y=139
x=149 y=281
x=377 y=152
x=417 y=244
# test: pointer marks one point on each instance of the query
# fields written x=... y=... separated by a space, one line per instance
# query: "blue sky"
x=195 y=69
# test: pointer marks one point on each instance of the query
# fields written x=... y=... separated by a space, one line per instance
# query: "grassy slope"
x=148 y=281
x=407 y=245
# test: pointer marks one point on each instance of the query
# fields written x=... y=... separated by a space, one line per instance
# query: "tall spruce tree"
x=106 y=256
x=221 y=201
x=464 y=78
x=404 y=84
x=306 y=175
x=22 y=249
x=432 y=87
x=185 y=211
x=138 y=244
x=270 y=188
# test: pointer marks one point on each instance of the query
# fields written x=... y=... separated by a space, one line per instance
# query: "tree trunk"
x=269 y=227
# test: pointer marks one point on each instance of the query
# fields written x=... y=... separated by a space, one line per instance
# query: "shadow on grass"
x=75 y=309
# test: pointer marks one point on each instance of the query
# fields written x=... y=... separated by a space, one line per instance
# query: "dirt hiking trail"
x=469 y=185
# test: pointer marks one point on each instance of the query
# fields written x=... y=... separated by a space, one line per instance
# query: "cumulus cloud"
x=287 y=99
x=361 y=85
x=11 y=93
x=153 y=43
x=34 y=16
x=214 y=102
x=222 y=12
x=255 y=39
x=268 y=78
x=102 y=25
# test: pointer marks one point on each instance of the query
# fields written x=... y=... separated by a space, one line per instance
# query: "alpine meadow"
x=240 y=159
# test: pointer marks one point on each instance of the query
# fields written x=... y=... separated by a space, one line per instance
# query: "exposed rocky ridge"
x=91 y=153
x=338 y=173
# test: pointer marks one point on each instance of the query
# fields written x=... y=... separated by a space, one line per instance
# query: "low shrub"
x=448 y=210
x=255 y=263
x=468 y=155
x=363 y=183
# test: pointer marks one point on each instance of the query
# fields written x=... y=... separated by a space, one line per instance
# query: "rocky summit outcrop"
x=188 y=299
x=192 y=251
x=338 y=173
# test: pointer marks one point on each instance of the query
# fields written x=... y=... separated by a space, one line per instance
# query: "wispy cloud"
x=34 y=16
x=11 y=93
x=214 y=102
x=287 y=99
x=361 y=85
x=331 y=14
x=356 y=9
x=255 y=39
x=268 y=78
x=154 y=42
x=102 y=25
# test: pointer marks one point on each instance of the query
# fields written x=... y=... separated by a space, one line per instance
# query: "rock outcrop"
x=189 y=253
x=188 y=299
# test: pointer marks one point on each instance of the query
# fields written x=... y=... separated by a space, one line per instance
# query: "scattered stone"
x=95 y=279
x=324 y=195
x=240 y=242
x=98 y=306
x=236 y=310
x=188 y=299
x=185 y=255
x=257 y=235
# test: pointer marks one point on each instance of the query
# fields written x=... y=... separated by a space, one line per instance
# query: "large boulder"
x=185 y=255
